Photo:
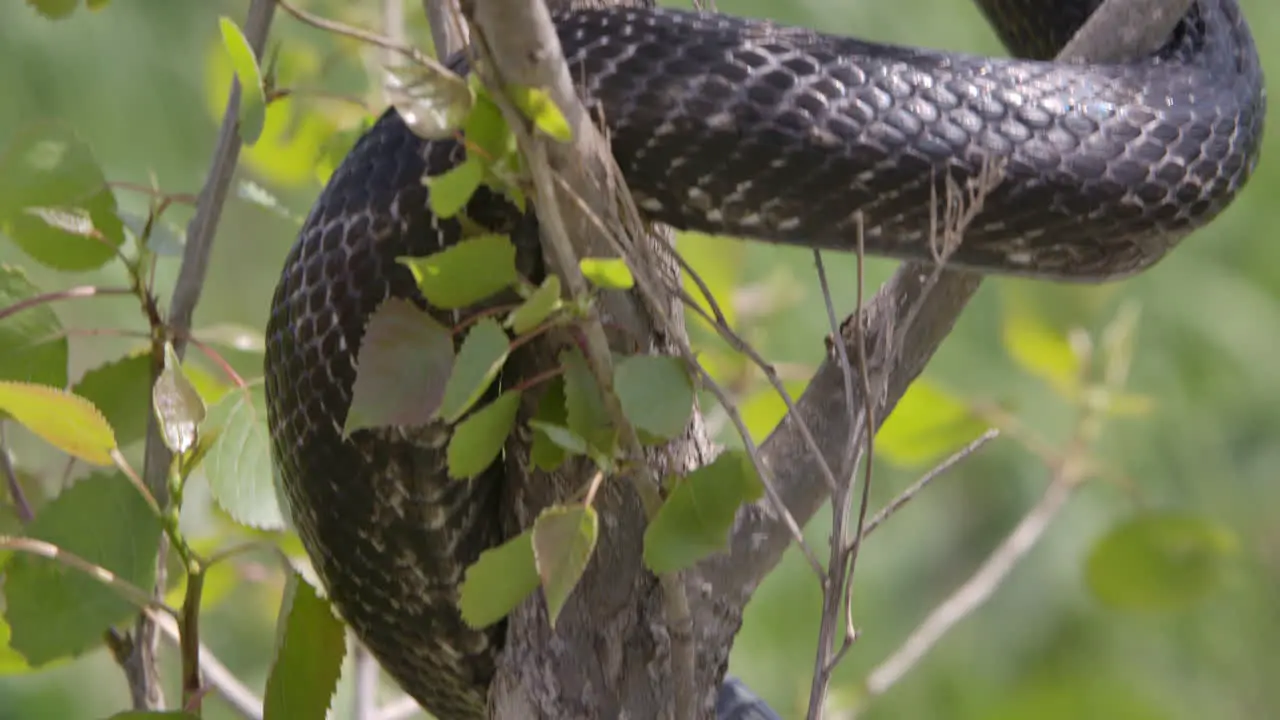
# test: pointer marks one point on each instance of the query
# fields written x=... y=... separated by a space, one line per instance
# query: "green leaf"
x=544 y=301
x=695 y=520
x=546 y=452
x=238 y=464
x=66 y=421
x=473 y=270
x=585 y=410
x=563 y=541
x=607 y=273
x=432 y=102
x=253 y=99
x=656 y=393
x=562 y=439
x=177 y=404
x=32 y=347
x=11 y=661
x=1040 y=350
x=928 y=423
x=487 y=132
x=479 y=361
x=498 y=581
x=54 y=9
x=56 y=611
x=452 y=189
x=405 y=360
x=477 y=440
x=1159 y=562
x=538 y=106
x=309 y=655
x=54 y=200
x=119 y=390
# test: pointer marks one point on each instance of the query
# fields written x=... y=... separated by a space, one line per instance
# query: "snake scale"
x=745 y=128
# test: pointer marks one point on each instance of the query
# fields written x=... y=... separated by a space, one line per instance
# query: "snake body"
x=745 y=128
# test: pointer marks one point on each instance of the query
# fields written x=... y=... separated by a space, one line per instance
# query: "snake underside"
x=744 y=128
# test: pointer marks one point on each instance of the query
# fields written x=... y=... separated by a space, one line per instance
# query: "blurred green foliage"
x=143 y=84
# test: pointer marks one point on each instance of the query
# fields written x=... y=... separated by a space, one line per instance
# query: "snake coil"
x=745 y=128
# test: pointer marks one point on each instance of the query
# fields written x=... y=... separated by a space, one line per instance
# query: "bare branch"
x=216 y=674
x=448 y=31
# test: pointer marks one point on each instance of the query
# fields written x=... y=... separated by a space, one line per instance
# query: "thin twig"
x=20 y=504
x=82 y=291
x=127 y=590
x=216 y=674
x=140 y=667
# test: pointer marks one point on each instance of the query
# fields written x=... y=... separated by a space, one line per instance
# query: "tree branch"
x=139 y=667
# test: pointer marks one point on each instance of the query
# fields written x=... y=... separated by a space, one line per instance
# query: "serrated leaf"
x=546 y=453
x=253 y=99
x=564 y=539
x=312 y=644
x=607 y=273
x=450 y=191
x=433 y=103
x=178 y=406
x=585 y=412
x=479 y=360
x=1039 y=349
x=32 y=346
x=1159 y=562
x=473 y=270
x=238 y=464
x=55 y=611
x=119 y=390
x=477 y=440
x=544 y=301
x=695 y=519
x=405 y=359
x=656 y=393
x=54 y=200
x=561 y=438
x=538 y=106
x=928 y=423
x=66 y=421
x=498 y=581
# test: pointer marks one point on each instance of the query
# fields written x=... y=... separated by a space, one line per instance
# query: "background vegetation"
x=144 y=84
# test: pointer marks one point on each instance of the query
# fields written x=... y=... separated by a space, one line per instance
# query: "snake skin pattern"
x=745 y=128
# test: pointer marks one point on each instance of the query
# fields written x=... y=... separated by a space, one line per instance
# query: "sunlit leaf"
x=238 y=465
x=927 y=424
x=544 y=301
x=66 y=421
x=564 y=539
x=253 y=100
x=54 y=9
x=32 y=346
x=405 y=360
x=472 y=270
x=487 y=132
x=477 y=440
x=55 y=611
x=309 y=652
x=119 y=389
x=156 y=715
x=656 y=393
x=177 y=404
x=1039 y=349
x=607 y=273
x=538 y=106
x=11 y=661
x=498 y=581
x=452 y=190
x=432 y=101
x=1159 y=562
x=479 y=360
x=695 y=519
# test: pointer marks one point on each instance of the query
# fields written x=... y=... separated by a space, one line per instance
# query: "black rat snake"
x=744 y=128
